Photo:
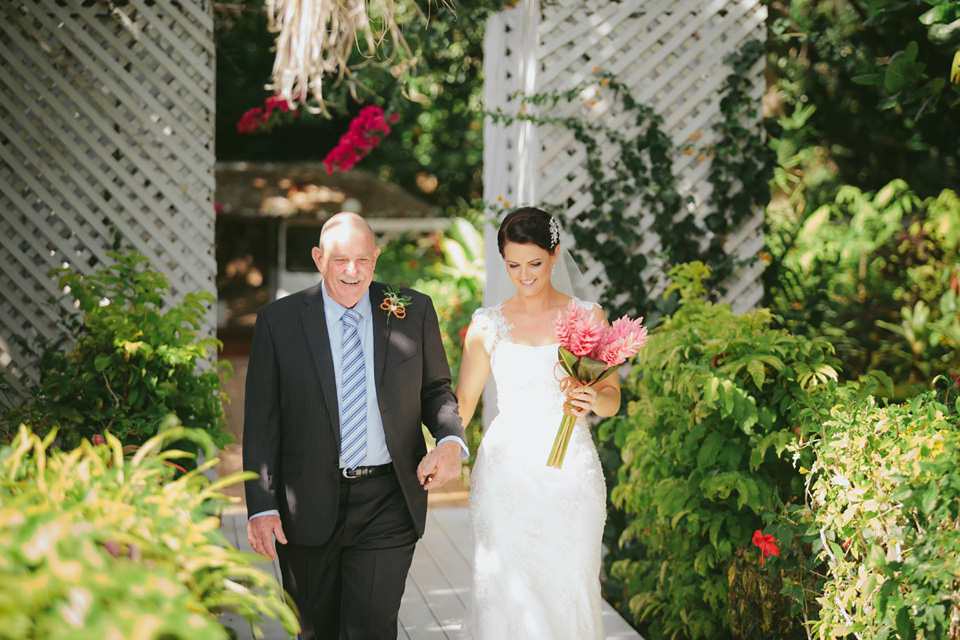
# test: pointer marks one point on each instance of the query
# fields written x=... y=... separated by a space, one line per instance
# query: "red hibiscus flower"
x=767 y=545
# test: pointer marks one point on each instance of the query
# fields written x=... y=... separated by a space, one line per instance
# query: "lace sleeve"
x=492 y=325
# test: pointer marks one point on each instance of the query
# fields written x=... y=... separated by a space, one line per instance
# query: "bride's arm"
x=603 y=398
x=607 y=401
x=474 y=371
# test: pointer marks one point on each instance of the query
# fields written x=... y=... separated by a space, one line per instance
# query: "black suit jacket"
x=291 y=431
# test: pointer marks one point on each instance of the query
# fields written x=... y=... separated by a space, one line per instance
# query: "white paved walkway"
x=437 y=587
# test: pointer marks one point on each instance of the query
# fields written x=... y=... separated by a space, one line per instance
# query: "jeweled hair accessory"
x=554 y=232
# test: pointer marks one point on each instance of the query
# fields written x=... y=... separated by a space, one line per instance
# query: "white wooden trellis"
x=669 y=54
x=106 y=127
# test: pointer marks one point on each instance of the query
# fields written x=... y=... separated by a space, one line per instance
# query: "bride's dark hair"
x=527 y=225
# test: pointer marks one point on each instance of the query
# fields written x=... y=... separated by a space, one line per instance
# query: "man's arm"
x=261 y=423
x=439 y=408
x=438 y=403
x=261 y=442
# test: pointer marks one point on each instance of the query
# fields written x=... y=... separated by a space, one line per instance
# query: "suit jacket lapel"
x=381 y=331
x=315 y=327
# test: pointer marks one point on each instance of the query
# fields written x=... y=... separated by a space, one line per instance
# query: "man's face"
x=346 y=259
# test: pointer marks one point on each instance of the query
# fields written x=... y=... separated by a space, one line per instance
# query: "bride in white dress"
x=537 y=530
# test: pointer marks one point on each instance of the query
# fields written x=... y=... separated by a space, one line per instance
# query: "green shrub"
x=877 y=274
x=132 y=360
x=98 y=546
x=716 y=401
x=885 y=491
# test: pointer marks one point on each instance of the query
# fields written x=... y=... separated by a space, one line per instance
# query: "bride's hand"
x=580 y=400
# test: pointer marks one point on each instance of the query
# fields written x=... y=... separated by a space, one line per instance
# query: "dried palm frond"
x=316 y=37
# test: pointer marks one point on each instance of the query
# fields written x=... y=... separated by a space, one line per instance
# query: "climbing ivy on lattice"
x=608 y=232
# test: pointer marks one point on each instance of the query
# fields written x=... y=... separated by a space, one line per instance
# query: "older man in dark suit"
x=337 y=388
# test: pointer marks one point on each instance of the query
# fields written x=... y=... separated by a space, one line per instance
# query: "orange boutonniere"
x=395 y=304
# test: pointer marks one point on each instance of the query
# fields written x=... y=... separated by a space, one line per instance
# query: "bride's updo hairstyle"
x=529 y=225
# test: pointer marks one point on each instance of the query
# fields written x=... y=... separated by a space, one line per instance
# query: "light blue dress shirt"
x=377 y=452
x=376 y=442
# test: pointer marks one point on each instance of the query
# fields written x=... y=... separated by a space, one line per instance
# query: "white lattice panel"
x=670 y=55
x=106 y=127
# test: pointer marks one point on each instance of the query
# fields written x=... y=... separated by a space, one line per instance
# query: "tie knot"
x=350 y=317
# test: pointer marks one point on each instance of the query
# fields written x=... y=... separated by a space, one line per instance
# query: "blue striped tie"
x=353 y=396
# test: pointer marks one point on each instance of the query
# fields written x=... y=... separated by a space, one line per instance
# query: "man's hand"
x=260 y=533
x=440 y=465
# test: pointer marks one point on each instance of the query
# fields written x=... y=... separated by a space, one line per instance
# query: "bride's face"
x=528 y=267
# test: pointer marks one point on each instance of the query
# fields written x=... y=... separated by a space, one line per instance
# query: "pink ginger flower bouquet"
x=589 y=352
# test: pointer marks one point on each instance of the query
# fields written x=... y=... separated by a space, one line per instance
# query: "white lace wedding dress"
x=537 y=530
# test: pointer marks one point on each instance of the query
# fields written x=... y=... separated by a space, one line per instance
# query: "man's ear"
x=317 y=254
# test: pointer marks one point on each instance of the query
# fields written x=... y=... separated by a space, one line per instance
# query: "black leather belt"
x=367 y=472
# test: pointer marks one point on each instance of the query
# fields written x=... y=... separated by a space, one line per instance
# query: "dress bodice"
x=525 y=376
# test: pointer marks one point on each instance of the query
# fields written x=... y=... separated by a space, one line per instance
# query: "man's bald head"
x=345 y=222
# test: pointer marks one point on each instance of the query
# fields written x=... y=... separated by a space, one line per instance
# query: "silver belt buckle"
x=344 y=473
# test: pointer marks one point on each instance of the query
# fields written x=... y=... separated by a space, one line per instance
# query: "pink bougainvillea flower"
x=251 y=120
x=364 y=134
x=767 y=545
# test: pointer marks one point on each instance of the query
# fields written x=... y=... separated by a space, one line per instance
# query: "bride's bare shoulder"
x=563 y=300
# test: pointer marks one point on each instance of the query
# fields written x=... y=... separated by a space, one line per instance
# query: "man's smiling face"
x=346 y=258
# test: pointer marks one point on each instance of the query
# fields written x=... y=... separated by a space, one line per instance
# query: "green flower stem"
x=559 y=450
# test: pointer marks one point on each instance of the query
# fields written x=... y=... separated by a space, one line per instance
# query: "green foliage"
x=703 y=445
x=457 y=286
x=436 y=147
x=906 y=79
x=642 y=180
x=775 y=599
x=885 y=491
x=132 y=361
x=95 y=545
x=457 y=292
x=878 y=274
x=883 y=107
